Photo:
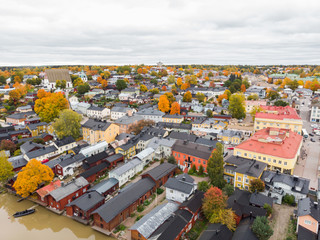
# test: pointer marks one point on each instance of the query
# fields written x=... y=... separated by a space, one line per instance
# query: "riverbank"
x=43 y=224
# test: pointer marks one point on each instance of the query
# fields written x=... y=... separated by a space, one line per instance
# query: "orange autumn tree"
x=21 y=88
x=49 y=107
x=175 y=108
x=214 y=208
x=14 y=96
x=42 y=93
x=104 y=84
x=179 y=81
x=185 y=86
x=222 y=96
x=243 y=88
x=308 y=84
x=164 y=105
x=164 y=88
x=31 y=176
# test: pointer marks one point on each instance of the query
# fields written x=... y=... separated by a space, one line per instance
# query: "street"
x=308 y=163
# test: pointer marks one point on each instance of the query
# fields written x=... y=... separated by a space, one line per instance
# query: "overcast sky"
x=172 y=31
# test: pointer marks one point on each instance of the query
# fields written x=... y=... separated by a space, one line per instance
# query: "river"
x=42 y=225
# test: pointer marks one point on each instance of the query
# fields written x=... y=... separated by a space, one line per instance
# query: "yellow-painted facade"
x=294 y=125
x=95 y=136
x=172 y=120
x=41 y=129
x=274 y=162
x=127 y=154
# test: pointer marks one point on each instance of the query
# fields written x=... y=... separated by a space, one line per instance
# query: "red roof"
x=49 y=188
x=279 y=113
x=282 y=143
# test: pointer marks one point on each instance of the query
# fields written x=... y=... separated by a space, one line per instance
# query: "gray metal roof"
x=192 y=149
x=161 y=170
x=105 y=185
x=41 y=152
x=179 y=185
x=116 y=205
x=69 y=159
x=69 y=188
x=126 y=167
x=96 y=125
x=150 y=222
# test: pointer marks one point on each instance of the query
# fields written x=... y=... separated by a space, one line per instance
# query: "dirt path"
x=280 y=221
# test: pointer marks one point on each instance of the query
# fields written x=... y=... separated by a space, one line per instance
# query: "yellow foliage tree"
x=184 y=86
x=164 y=104
x=300 y=82
x=175 y=108
x=143 y=88
x=187 y=97
x=31 y=176
x=179 y=81
x=308 y=84
x=42 y=93
x=48 y=108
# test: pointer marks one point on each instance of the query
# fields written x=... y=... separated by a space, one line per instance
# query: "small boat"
x=24 y=213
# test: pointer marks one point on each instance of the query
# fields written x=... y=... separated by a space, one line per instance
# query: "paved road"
x=309 y=161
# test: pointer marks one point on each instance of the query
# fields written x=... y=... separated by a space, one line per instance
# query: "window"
x=246 y=188
x=239 y=178
x=264 y=158
x=285 y=163
x=269 y=159
x=239 y=185
x=179 y=155
x=280 y=162
x=84 y=190
x=199 y=161
x=274 y=161
x=259 y=157
x=307 y=222
x=171 y=191
x=245 y=154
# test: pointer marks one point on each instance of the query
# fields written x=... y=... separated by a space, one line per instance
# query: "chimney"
x=89 y=195
x=62 y=183
x=183 y=178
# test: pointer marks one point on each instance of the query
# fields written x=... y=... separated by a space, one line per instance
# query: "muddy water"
x=42 y=225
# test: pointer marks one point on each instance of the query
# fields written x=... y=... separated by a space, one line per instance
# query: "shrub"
x=201 y=170
x=161 y=161
x=261 y=228
x=139 y=217
x=193 y=169
x=228 y=189
x=121 y=227
x=146 y=203
x=203 y=186
x=289 y=199
x=159 y=191
x=172 y=160
x=140 y=208
x=267 y=207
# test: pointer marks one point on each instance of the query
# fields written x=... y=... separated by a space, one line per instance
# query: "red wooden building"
x=60 y=197
x=188 y=153
x=161 y=173
x=95 y=172
x=45 y=191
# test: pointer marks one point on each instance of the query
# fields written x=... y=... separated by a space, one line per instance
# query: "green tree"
x=228 y=189
x=268 y=208
x=121 y=84
x=200 y=96
x=215 y=167
x=171 y=79
x=193 y=169
x=253 y=97
x=203 y=186
x=281 y=103
x=172 y=160
x=255 y=110
x=293 y=85
x=261 y=228
x=67 y=124
x=289 y=199
x=6 y=168
x=201 y=169
x=256 y=185
x=236 y=106
x=61 y=84
x=83 y=88
x=209 y=113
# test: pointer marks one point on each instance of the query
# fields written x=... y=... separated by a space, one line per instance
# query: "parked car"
x=225 y=154
x=312 y=140
x=230 y=148
x=311 y=135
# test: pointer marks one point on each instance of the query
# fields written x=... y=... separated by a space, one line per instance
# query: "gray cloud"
x=173 y=31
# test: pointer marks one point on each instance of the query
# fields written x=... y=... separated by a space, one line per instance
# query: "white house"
x=65 y=144
x=94 y=149
x=126 y=171
x=118 y=112
x=98 y=112
x=145 y=156
x=162 y=147
x=52 y=75
x=68 y=163
x=180 y=188
x=151 y=114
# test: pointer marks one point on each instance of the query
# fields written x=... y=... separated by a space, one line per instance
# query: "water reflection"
x=41 y=225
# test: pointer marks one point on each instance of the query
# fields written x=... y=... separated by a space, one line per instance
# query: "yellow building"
x=175 y=118
x=278 y=148
x=278 y=117
x=37 y=129
x=128 y=150
x=230 y=136
x=94 y=131
x=240 y=171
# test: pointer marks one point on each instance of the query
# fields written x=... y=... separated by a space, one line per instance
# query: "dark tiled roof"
x=96 y=125
x=87 y=201
x=104 y=185
x=247 y=166
x=183 y=136
x=243 y=230
x=64 y=141
x=216 y=231
x=116 y=205
x=41 y=152
x=305 y=234
x=69 y=159
x=161 y=170
x=102 y=166
x=192 y=149
x=259 y=199
x=114 y=157
x=96 y=157
x=195 y=203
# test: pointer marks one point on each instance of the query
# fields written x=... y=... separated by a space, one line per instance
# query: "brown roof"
x=58 y=74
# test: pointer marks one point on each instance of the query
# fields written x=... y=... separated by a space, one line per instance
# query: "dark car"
x=311 y=135
x=312 y=140
x=225 y=154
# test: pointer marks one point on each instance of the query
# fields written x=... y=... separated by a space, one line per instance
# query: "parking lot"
x=309 y=161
